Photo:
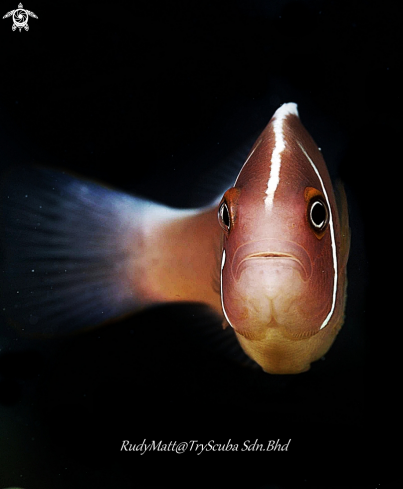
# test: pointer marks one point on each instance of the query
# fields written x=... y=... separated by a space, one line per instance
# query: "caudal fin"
x=67 y=251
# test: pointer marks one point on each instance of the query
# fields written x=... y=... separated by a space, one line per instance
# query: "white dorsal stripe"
x=332 y=239
x=279 y=146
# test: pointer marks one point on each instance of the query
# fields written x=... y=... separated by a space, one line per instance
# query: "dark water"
x=148 y=98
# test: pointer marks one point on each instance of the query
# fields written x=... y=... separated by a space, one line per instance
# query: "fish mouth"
x=289 y=252
x=265 y=254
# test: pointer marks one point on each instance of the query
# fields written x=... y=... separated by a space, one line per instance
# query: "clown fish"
x=269 y=256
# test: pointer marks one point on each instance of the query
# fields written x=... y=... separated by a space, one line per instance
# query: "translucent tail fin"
x=67 y=250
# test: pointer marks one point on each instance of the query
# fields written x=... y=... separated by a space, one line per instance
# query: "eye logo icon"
x=20 y=17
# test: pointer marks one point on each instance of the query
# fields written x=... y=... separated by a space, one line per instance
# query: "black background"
x=147 y=97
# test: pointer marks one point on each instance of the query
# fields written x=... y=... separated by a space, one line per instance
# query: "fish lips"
x=272 y=249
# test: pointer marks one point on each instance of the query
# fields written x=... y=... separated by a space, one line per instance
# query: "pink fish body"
x=283 y=269
x=273 y=265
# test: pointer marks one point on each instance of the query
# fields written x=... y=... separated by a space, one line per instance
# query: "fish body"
x=284 y=260
x=76 y=254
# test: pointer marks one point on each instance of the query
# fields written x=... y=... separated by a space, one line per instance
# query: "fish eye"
x=318 y=214
x=224 y=217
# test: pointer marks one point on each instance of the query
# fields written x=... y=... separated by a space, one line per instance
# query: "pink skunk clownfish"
x=76 y=254
x=285 y=250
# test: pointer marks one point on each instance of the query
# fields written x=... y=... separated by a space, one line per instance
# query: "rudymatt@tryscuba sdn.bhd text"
x=198 y=447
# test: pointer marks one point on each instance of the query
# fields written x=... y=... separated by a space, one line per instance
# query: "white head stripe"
x=279 y=146
x=222 y=297
x=333 y=242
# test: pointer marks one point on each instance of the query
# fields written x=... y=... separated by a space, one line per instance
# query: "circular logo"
x=20 y=18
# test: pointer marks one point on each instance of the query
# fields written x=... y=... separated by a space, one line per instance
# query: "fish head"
x=279 y=267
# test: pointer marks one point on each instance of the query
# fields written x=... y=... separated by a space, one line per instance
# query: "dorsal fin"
x=216 y=181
